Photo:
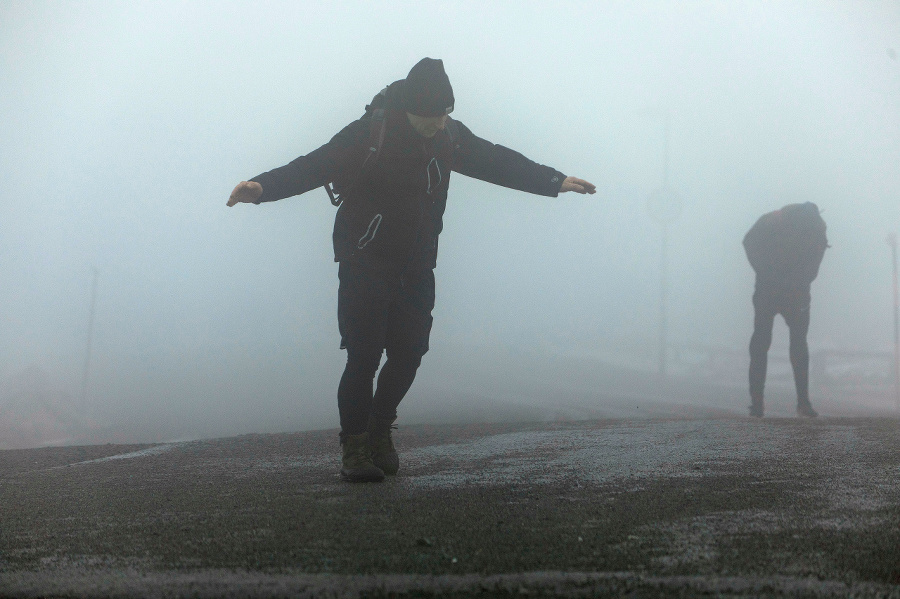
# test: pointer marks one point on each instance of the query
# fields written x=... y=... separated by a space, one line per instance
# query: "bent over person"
x=391 y=170
x=785 y=248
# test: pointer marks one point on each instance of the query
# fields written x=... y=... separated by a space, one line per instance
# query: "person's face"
x=427 y=126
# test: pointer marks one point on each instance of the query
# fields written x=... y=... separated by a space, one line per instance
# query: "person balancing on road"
x=391 y=170
x=785 y=248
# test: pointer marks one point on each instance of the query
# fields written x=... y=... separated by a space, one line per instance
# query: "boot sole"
x=361 y=477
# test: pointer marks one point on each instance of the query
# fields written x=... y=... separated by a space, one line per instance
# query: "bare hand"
x=246 y=191
x=577 y=185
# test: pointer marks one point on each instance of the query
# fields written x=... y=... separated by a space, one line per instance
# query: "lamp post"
x=87 y=353
x=664 y=206
x=892 y=241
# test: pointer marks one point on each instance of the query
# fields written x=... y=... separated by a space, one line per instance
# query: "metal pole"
x=663 y=260
x=663 y=297
x=666 y=126
x=87 y=353
x=892 y=241
x=664 y=206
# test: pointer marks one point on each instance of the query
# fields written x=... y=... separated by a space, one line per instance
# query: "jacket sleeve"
x=764 y=244
x=480 y=159
x=317 y=168
x=755 y=242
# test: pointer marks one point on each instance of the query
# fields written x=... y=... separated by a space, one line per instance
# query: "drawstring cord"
x=428 y=172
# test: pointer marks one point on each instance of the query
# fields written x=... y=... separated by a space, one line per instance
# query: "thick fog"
x=125 y=125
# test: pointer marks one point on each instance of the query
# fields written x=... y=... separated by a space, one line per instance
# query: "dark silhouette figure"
x=785 y=248
x=391 y=170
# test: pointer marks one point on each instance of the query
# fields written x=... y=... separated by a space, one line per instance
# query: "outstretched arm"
x=481 y=159
x=307 y=172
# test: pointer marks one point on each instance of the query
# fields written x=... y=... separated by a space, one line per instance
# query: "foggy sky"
x=126 y=125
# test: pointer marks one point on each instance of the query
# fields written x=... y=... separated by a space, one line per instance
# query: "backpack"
x=377 y=127
x=789 y=242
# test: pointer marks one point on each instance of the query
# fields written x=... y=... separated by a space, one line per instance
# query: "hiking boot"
x=356 y=464
x=756 y=407
x=805 y=410
x=384 y=454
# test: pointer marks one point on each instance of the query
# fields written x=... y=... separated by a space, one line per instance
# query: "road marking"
x=141 y=453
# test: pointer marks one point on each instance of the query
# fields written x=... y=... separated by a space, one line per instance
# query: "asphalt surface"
x=660 y=507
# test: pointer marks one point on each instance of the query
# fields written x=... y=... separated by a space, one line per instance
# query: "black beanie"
x=427 y=90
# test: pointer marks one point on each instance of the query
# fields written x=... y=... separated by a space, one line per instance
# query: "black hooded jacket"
x=785 y=247
x=394 y=208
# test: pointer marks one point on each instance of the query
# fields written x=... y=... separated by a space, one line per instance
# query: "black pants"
x=382 y=307
x=793 y=305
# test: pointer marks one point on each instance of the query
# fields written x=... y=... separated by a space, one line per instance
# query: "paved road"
x=669 y=507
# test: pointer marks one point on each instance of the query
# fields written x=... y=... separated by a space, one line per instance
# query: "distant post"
x=892 y=241
x=664 y=206
x=87 y=352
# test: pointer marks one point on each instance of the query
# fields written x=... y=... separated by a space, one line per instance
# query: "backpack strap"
x=452 y=130
x=335 y=200
x=377 y=128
